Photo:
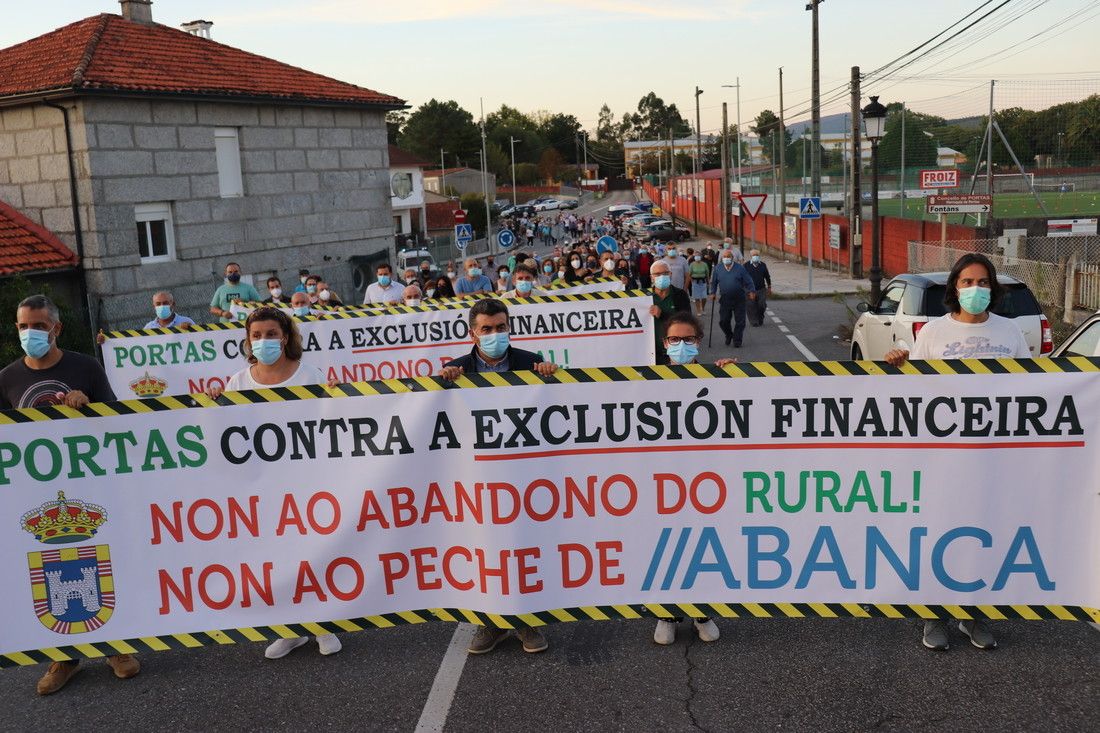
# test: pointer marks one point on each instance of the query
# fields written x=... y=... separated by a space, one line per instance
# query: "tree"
x=655 y=119
x=920 y=149
x=559 y=131
x=766 y=127
x=712 y=151
x=606 y=129
x=499 y=162
x=437 y=125
x=474 y=204
x=394 y=121
x=549 y=164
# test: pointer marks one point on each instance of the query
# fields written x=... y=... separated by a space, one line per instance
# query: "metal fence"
x=1059 y=270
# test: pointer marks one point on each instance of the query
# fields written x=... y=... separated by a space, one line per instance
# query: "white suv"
x=909 y=301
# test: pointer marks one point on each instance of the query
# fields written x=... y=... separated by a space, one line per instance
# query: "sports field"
x=1009 y=206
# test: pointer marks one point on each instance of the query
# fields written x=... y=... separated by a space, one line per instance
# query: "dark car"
x=646 y=206
x=664 y=230
x=519 y=210
x=568 y=204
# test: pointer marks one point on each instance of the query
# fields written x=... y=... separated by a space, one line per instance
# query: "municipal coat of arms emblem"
x=72 y=587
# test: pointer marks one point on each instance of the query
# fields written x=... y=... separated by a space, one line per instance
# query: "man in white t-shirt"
x=385 y=290
x=968 y=331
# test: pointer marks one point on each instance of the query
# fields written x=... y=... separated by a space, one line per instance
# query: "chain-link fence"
x=1059 y=270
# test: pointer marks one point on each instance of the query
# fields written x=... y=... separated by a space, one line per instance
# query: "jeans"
x=732 y=305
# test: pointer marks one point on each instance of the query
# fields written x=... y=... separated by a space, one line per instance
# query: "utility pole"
x=698 y=163
x=671 y=173
x=725 y=175
x=855 y=211
x=513 y=141
x=989 y=145
x=442 y=175
x=902 y=215
x=576 y=165
x=782 y=152
x=815 y=106
x=485 y=182
x=739 y=129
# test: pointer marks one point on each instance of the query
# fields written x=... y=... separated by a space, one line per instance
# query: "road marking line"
x=1094 y=626
x=794 y=340
x=438 y=705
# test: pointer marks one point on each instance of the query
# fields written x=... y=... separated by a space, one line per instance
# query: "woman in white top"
x=968 y=331
x=273 y=348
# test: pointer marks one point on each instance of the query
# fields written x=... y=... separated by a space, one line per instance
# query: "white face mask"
x=276 y=293
x=609 y=265
x=561 y=273
x=412 y=302
x=575 y=263
x=430 y=292
x=325 y=295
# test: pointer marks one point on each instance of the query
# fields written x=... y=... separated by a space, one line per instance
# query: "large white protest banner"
x=606 y=329
x=838 y=491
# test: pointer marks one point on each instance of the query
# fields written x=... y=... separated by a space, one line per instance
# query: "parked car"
x=646 y=206
x=616 y=211
x=568 y=204
x=1085 y=341
x=909 y=301
x=501 y=204
x=547 y=205
x=639 y=222
x=411 y=258
x=663 y=230
x=519 y=210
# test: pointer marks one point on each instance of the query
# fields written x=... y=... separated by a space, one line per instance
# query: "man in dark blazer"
x=492 y=352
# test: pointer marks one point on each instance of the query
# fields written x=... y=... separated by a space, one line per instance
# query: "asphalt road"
x=763 y=674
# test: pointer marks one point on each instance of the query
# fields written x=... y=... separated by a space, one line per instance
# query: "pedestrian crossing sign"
x=809 y=207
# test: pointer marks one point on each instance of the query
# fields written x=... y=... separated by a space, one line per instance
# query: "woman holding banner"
x=968 y=331
x=273 y=348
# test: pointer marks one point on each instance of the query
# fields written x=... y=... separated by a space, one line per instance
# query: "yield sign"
x=752 y=203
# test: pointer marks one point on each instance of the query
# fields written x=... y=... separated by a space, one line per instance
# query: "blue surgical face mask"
x=974 y=300
x=755 y=259
x=662 y=282
x=311 y=289
x=383 y=280
x=547 y=269
x=682 y=353
x=35 y=343
x=727 y=261
x=267 y=351
x=163 y=311
x=493 y=345
x=474 y=271
x=302 y=311
x=524 y=286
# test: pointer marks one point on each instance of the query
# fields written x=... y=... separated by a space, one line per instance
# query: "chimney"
x=200 y=28
x=139 y=11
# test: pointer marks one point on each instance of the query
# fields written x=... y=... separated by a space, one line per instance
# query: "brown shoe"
x=533 y=640
x=486 y=639
x=56 y=676
x=124 y=665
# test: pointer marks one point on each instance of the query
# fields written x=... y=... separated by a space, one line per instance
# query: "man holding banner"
x=493 y=352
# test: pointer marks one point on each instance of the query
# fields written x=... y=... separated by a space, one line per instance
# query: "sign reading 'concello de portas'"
x=962 y=204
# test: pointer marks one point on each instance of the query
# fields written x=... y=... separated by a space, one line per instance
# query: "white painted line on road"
x=794 y=339
x=438 y=705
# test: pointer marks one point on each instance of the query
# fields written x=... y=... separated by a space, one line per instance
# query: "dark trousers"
x=732 y=305
x=758 y=307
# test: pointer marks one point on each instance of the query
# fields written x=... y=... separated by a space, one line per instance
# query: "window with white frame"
x=156 y=241
x=227 y=147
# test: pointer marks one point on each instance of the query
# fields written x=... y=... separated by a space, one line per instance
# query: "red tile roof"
x=28 y=247
x=403 y=158
x=107 y=53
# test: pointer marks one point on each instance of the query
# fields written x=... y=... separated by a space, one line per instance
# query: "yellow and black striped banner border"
x=335 y=315
x=544 y=618
x=750 y=370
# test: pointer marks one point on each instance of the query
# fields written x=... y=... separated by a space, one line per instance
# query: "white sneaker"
x=329 y=644
x=281 y=647
x=665 y=633
x=707 y=630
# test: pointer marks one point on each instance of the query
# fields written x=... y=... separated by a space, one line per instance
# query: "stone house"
x=158 y=155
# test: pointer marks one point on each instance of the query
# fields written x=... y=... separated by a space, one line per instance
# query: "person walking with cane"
x=731 y=283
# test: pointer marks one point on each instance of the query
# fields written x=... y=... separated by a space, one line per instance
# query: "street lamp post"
x=874 y=125
x=698 y=164
x=513 y=142
x=442 y=174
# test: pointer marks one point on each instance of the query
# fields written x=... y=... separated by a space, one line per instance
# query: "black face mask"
x=234 y=277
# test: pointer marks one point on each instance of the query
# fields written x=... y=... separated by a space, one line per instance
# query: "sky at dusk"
x=572 y=56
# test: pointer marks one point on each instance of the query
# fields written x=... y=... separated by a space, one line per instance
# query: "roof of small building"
x=108 y=54
x=28 y=247
x=449 y=171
